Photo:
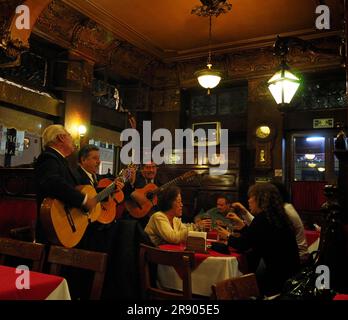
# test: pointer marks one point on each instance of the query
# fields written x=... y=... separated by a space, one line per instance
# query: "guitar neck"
x=168 y=184
x=109 y=189
x=106 y=192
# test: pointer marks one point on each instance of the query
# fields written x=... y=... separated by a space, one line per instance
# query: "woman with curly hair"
x=271 y=237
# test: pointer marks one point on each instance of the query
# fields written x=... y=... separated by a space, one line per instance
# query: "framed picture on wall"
x=210 y=135
x=263 y=155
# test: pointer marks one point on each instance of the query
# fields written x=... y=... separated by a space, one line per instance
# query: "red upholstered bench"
x=16 y=213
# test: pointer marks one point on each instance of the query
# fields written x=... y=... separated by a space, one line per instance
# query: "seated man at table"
x=165 y=226
x=216 y=216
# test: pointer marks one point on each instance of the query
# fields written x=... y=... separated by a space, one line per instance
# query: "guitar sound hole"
x=150 y=195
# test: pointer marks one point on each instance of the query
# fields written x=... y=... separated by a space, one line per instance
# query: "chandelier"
x=209 y=78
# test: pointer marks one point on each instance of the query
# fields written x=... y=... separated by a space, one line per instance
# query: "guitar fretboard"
x=110 y=189
x=106 y=192
x=172 y=182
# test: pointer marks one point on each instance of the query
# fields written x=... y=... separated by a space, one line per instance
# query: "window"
x=309 y=158
x=223 y=102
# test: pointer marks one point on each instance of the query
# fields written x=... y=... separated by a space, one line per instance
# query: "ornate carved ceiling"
x=162 y=44
x=168 y=30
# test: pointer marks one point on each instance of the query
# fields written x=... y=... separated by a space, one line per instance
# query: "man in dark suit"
x=98 y=236
x=147 y=174
x=53 y=176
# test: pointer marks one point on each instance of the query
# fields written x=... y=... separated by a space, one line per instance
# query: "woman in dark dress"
x=270 y=236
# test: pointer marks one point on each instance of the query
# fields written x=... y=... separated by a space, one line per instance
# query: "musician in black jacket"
x=98 y=236
x=53 y=176
x=147 y=175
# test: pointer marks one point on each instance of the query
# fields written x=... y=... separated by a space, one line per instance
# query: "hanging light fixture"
x=209 y=78
x=310 y=156
x=283 y=85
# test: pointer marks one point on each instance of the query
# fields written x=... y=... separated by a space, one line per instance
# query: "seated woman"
x=165 y=226
x=270 y=236
x=292 y=215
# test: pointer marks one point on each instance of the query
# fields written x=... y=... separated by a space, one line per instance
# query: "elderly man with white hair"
x=53 y=176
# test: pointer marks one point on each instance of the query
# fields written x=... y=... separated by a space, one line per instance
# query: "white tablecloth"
x=61 y=292
x=210 y=271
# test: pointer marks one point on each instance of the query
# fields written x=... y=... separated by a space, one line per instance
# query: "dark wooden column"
x=78 y=104
x=342 y=182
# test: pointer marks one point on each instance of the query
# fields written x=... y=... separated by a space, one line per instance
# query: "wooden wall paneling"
x=17 y=182
x=201 y=192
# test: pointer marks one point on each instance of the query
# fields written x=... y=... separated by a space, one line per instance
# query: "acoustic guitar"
x=144 y=199
x=109 y=205
x=66 y=225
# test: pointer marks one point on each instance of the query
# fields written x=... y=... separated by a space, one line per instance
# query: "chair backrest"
x=241 y=288
x=24 y=250
x=181 y=260
x=83 y=259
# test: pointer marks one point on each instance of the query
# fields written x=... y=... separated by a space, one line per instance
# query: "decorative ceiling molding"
x=119 y=28
x=68 y=28
x=126 y=32
x=14 y=41
x=65 y=26
x=248 y=44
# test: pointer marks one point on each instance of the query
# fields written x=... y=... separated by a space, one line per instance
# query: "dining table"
x=210 y=268
x=23 y=284
x=313 y=239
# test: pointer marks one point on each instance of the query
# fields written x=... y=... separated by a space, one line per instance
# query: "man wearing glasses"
x=147 y=175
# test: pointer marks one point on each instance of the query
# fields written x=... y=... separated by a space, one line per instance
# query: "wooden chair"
x=83 y=259
x=24 y=250
x=183 y=260
x=241 y=288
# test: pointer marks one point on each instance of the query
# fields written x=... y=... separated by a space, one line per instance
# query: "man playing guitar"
x=98 y=236
x=148 y=174
x=53 y=176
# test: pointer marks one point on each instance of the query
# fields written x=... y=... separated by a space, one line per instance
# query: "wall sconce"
x=321 y=169
x=284 y=84
x=82 y=130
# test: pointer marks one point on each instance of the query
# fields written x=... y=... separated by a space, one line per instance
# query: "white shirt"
x=160 y=230
x=90 y=175
x=58 y=151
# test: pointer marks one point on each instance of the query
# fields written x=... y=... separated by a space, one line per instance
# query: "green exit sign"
x=323 y=123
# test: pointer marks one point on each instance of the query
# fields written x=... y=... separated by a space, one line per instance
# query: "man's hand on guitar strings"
x=119 y=185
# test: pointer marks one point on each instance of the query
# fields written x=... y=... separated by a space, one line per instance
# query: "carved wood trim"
x=113 y=24
x=15 y=40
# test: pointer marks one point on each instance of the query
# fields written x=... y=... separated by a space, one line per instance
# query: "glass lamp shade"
x=208 y=78
x=283 y=86
x=309 y=156
x=82 y=130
